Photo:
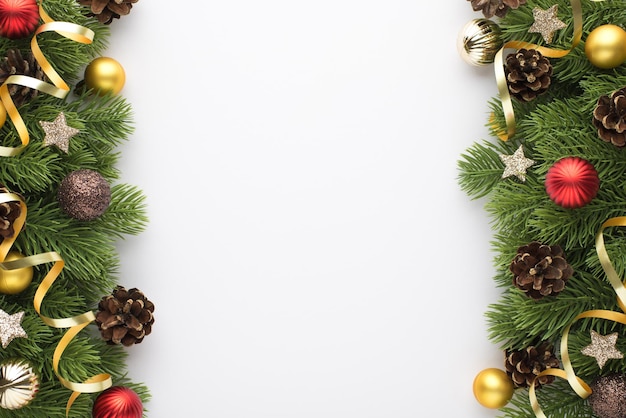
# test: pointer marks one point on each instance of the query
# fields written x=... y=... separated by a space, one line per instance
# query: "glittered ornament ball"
x=478 y=41
x=18 y=18
x=15 y=280
x=572 y=182
x=493 y=388
x=84 y=195
x=608 y=396
x=105 y=76
x=118 y=402
x=605 y=46
x=20 y=384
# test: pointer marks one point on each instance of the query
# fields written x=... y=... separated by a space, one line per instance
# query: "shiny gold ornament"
x=493 y=388
x=105 y=75
x=15 y=281
x=19 y=386
x=605 y=46
x=479 y=41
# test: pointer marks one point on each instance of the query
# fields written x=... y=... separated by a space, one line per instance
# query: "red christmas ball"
x=117 y=402
x=572 y=182
x=18 y=18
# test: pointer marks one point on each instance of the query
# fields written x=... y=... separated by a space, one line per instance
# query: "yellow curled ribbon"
x=580 y=387
x=58 y=88
x=503 y=88
x=75 y=324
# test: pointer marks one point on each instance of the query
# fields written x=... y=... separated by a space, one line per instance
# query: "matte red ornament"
x=117 y=402
x=572 y=182
x=18 y=18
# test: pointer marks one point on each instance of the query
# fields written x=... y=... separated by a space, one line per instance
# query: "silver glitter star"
x=10 y=327
x=58 y=133
x=602 y=347
x=516 y=164
x=546 y=22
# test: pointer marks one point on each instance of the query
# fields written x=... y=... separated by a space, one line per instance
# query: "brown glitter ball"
x=608 y=396
x=84 y=195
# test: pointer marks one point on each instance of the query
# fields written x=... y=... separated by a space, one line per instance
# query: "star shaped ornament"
x=58 y=133
x=546 y=22
x=602 y=347
x=516 y=164
x=10 y=327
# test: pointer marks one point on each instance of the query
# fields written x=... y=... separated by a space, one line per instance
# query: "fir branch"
x=480 y=169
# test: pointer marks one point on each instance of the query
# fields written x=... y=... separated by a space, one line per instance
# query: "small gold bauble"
x=105 y=75
x=605 y=46
x=20 y=384
x=493 y=388
x=17 y=280
x=479 y=41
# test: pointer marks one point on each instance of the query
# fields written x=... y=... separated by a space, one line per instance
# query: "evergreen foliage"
x=556 y=125
x=87 y=248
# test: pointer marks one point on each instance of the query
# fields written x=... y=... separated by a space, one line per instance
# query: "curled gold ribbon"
x=503 y=88
x=579 y=386
x=75 y=324
x=58 y=88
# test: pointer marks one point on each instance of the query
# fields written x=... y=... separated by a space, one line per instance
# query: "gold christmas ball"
x=479 y=41
x=105 y=75
x=20 y=384
x=493 y=388
x=15 y=281
x=605 y=46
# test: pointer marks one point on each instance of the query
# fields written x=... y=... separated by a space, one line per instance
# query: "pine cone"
x=16 y=64
x=498 y=8
x=107 y=10
x=608 y=117
x=527 y=74
x=125 y=317
x=540 y=270
x=9 y=212
x=523 y=366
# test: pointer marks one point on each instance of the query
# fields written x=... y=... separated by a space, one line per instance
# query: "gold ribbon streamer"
x=568 y=373
x=59 y=88
x=503 y=88
x=75 y=324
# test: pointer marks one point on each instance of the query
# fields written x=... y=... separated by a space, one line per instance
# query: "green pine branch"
x=555 y=125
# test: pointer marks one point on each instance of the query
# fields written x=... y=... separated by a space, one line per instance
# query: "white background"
x=309 y=251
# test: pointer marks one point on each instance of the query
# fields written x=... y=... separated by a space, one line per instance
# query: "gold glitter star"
x=10 y=327
x=546 y=22
x=602 y=347
x=58 y=133
x=516 y=164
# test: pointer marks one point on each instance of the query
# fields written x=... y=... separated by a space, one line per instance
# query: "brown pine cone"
x=9 y=212
x=608 y=117
x=527 y=74
x=523 y=366
x=14 y=63
x=125 y=317
x=540 y=270
x=498 y=8
x=107 y=10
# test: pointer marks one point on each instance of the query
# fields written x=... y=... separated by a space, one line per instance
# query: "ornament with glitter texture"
x=84 y=195
x=608 y=396
x=18 y=18
x=118 y=402
x=546 y=22
x=572 y=182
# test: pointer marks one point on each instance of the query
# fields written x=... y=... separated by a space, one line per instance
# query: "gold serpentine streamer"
x=75 y=324
x=503 y=89
x=59 y=88
x=568 y=373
